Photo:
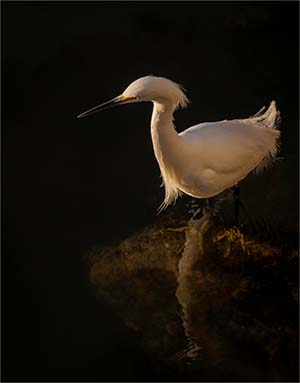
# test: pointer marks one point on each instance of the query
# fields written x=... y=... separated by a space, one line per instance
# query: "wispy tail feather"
x=260 y=112
x=269 y=119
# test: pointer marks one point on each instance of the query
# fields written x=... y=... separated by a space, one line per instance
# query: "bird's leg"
x=246 y=212
x=234 y=234
x=211 y=206
x=239 y=205
x=236 y=198
x=194 y=208
x=208 y=205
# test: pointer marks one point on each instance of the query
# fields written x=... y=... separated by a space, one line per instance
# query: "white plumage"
x=207 y=158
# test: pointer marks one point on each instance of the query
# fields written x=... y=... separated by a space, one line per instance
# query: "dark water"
x=209 y=303
x=70 y=184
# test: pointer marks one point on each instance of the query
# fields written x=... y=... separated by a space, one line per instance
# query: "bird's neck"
x=164 y=136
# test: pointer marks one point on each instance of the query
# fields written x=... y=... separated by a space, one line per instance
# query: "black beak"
x=114 y=102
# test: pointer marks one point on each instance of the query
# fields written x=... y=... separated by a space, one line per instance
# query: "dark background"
x=69 y=184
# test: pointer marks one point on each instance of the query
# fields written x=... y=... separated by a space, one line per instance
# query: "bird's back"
x=219 y=154
x=235 y=142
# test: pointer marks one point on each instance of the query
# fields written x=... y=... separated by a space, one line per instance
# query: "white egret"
x=207 y=158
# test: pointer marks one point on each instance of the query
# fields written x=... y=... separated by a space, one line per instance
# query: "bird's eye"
x=137 y=98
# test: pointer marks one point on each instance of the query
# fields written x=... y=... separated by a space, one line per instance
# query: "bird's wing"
x=227 y=146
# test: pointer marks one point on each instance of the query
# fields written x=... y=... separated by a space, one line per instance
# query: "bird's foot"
x=232 y=236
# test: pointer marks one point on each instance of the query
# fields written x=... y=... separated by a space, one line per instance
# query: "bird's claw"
x=233 y=235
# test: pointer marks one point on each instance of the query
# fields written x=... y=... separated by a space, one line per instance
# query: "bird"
x=205 y=159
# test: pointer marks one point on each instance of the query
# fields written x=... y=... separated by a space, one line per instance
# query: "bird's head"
x=148 y=88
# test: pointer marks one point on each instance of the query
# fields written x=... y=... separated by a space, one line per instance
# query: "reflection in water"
x=191 y=288
x=229 y=303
